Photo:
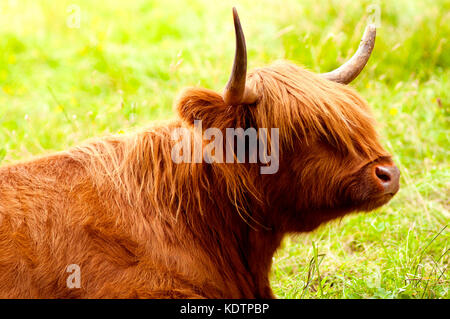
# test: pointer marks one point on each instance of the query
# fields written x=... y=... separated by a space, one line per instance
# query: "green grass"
x=125 y=64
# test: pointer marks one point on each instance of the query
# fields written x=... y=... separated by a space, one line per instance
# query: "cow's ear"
x=207 y=106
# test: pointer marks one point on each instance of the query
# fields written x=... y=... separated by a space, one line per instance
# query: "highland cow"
x=135 y=224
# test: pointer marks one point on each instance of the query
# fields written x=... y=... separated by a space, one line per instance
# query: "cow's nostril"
x=388 y=177
x=382 y=173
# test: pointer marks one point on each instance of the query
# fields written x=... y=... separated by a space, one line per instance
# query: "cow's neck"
x=244 y=248
x=245 y=258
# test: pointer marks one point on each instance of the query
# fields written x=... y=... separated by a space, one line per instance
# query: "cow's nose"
x=388 y=177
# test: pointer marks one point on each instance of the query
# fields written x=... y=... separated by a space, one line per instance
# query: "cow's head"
x=330 y=159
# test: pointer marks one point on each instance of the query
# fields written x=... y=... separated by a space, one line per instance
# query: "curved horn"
x=236 y=91
x=350 y=69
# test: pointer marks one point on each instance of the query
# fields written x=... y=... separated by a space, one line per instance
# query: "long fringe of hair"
x=302 y=105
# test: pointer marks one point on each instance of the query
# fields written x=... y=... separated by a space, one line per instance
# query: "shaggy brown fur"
x=139 y=225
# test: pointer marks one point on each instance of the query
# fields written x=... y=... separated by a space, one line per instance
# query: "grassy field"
x=122 y=66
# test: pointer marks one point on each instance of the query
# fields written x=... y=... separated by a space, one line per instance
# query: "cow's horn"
x=350 y=70
x=236 y=92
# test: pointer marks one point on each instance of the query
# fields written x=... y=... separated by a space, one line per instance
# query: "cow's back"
x=53 y=215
